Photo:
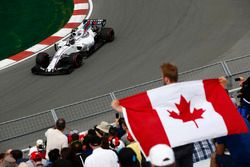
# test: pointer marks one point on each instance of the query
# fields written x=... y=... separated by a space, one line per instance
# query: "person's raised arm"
x=223 y=82
x=115 y=104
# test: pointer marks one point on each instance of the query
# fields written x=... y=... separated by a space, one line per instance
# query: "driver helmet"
x=86 y=25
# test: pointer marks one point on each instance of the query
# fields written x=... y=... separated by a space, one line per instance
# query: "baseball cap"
x=161 y=155
x=36 y=156
x=39 y=142
x=116 y=144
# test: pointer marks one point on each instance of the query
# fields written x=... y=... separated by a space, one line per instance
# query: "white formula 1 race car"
x=71 y=52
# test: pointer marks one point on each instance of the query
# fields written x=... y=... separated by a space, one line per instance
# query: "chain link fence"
x=83 y=115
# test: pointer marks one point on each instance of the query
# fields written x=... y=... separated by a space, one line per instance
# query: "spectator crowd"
x=111 y=145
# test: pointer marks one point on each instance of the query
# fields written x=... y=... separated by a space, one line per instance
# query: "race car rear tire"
x=75 y=59
x=42 y=59
x=107 y=34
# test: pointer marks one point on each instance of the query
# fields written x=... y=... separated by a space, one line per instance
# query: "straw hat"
x=104 y=126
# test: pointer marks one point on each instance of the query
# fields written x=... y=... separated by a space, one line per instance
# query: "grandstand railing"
x=83 y=115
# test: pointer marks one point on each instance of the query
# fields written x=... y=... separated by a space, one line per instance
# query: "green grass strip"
x=25 y=23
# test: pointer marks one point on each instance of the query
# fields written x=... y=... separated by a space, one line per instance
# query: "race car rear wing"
x=99 y=22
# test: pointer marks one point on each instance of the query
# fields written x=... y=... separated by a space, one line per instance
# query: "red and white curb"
x=82 y=9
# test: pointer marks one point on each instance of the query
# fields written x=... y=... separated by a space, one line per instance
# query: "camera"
x=244 y=92
x=117 y=115
x=237 y=79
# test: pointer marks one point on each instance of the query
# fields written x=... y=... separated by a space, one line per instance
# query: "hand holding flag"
x=115 y=104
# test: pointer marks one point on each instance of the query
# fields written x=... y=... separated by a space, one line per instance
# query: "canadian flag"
x=181 y=113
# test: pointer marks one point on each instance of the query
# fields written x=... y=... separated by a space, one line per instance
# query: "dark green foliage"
x=25 y=23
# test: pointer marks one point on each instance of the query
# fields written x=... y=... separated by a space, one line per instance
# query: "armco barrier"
x=237 y=67
x=23 y=132
x=19 y=127
x=209 y=71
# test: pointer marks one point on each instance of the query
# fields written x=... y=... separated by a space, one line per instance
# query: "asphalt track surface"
x=189 y=33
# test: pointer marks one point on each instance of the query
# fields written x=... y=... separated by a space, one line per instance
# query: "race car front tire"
x=42 y=59
x=35 y=69
x=107 y=34
x=75 y=59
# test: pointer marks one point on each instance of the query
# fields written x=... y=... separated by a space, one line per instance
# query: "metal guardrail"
x=83 y=115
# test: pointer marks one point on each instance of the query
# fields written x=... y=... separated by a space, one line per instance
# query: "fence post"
x=226 y=68
x=53 y=112
x=228 y=73
x=112 y=95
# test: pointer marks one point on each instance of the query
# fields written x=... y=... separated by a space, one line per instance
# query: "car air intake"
x=79 y=47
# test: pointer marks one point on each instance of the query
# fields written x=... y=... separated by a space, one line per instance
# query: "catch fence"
x=83 y=115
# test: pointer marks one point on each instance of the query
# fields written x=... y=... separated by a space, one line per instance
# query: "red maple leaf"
x=185 y=115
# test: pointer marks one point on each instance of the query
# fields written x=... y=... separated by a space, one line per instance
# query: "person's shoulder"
x=106 y=151
x=59 y=133
x=132 y=144
x=111 y=154
x=50 y=130
x=110 y=151
x=90 y=158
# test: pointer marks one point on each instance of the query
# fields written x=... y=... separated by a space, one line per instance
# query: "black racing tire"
x=68 y=70
x=42 y=59
x=75 y=59
x=107 y=34
x=85 y=54
x=35 y=69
